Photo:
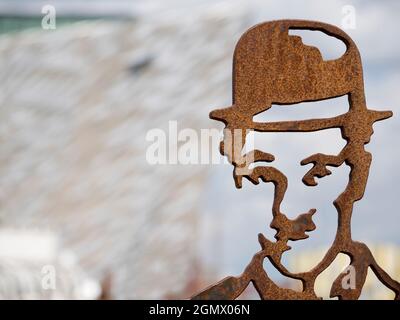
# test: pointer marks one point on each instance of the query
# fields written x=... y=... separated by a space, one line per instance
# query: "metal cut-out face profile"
x=272 y=67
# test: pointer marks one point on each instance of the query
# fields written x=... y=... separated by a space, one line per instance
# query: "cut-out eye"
x=309 y=179
x=330 y=47
x=320 y=163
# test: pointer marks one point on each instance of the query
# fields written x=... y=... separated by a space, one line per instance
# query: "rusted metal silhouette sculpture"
x=272 y=67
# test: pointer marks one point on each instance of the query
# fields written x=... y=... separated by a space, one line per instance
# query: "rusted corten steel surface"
x=272 y=67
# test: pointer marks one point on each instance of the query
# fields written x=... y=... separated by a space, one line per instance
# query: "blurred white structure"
x=32 y=266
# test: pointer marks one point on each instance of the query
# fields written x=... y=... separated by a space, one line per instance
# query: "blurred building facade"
x=75 y=106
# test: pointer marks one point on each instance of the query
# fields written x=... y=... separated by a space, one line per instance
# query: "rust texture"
x=272 y=67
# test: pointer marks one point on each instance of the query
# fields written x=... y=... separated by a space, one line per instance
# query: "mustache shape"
x=296 y=229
